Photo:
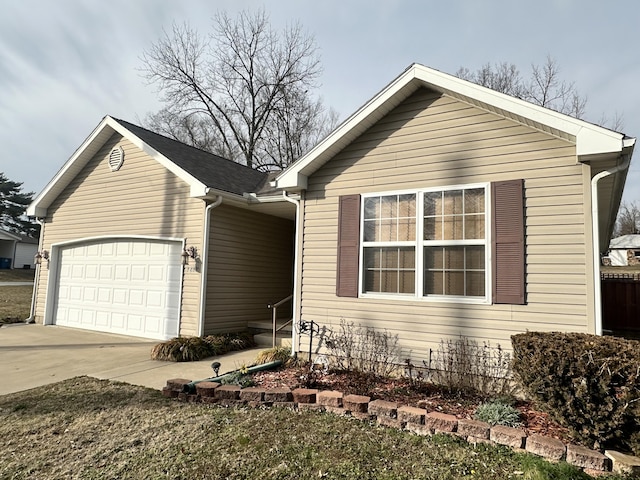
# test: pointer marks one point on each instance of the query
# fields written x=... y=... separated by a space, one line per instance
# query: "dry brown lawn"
x=85 y=428
x=15 y=301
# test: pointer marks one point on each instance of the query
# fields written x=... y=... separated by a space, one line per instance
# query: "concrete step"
x=267 y=327
x=265 y=339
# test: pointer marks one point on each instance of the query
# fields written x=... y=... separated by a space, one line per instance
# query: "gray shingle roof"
x=214 y=171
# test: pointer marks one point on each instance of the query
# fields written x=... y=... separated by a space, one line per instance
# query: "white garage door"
x=131 y=287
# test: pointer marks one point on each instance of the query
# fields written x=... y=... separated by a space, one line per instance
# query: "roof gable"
x=202 y=171
x=591 y=140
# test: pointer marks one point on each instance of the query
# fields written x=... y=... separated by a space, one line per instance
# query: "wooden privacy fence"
x=621 y=302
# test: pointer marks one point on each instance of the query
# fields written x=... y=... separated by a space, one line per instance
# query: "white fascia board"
x=590 y=139
x=39 y=205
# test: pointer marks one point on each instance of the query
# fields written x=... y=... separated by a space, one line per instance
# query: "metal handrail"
x=274 y=310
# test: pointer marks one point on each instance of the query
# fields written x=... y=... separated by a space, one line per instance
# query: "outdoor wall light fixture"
x=189 y=252
x=41 y=255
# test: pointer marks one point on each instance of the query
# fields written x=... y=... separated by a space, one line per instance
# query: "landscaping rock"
x=177 y=384
x=584 y=458
x=382 y=408
x=252 y=394
x=228 y=392
x=441 y=422
x=625 y=464
x=547 y=447
x=278 y=395
x=330 y=398
x=356 y=403
x=169 y=393
x=411 y=415
x=473 y=428
x=207 y=389
x=508 y=436
x=304 y=395
x=390 y=422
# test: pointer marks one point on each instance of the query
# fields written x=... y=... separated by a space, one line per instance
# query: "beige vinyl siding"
x=142 y=198
x=430 y=141
x=250 y=266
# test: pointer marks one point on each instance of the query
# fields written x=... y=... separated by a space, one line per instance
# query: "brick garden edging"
x=391 y=414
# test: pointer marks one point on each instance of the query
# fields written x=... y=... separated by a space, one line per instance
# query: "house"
x=17 y=251
x=145 y=236
x=624 y=250
x=442 y=208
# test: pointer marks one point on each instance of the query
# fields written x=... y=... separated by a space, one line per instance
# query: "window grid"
x=461 y=215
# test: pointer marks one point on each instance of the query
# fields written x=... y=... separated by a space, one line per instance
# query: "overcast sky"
x=65 y=64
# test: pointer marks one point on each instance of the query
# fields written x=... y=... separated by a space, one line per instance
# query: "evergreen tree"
x=13 y=203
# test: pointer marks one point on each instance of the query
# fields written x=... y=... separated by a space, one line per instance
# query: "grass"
x=15 y=301
x=17 y=275
x=88 y=429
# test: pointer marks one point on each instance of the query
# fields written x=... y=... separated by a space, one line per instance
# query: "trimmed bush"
x=589 y=384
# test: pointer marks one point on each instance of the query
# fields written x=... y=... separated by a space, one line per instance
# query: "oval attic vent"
x=116 y=158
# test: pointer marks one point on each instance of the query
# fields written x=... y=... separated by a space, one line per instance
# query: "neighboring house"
x=624 y=250
x=442 y=208
x=17 y=251
x=123 y=214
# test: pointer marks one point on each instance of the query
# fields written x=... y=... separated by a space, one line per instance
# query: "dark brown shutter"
x=508 y=242
x=348 y=246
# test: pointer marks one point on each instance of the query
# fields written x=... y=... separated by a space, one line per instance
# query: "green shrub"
x=498 y=413
x=239 y=378
x=590 y=384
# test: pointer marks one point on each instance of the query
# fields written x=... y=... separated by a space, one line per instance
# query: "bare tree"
x=545 y=86
x=229 y=92
x=628 y=221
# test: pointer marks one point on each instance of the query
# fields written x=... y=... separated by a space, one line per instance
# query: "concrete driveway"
x=36 y=355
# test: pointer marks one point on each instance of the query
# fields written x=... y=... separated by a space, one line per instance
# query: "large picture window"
x=430 y=243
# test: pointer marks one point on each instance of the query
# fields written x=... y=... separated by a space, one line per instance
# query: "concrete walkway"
x=36 y=355
x=16 y=284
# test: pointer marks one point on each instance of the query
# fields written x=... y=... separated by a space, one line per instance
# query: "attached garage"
x=129 y=286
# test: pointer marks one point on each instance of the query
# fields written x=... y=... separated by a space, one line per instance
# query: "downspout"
x=295 y=319
x=205 y=262
x=596 y=239
x=36 y=282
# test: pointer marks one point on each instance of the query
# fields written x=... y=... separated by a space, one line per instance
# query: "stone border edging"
x=412 y=419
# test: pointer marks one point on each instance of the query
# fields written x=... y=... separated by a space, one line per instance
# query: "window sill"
x=430 y=299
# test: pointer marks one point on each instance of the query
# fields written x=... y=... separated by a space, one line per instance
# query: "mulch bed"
x=405 y=392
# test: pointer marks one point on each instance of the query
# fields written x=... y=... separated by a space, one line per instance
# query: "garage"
x=124 y=286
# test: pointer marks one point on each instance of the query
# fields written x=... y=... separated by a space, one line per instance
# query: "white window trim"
x=419 y=245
